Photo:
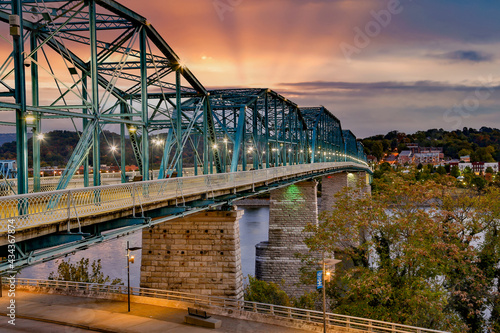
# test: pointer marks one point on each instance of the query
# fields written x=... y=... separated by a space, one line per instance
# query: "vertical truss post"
x=266 y=128
x=283 y=132
x=144 y=104
x=195 y=156
x=226 y=139
x=35 y=102
x=211 y=160
x=123 y=156
x=95 y=93
x=205 y=136
x=238 y=139
x=85 y=122
x=255 y=150
x=243 y=141
x=178 y=123
x=20 y=95
x=276 y=157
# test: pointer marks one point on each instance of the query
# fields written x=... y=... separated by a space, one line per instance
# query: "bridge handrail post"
x=68 y=202
x=133 y=199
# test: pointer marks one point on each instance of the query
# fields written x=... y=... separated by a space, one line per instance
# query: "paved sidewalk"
x=88 y=314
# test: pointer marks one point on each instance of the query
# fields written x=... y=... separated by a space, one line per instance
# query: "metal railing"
x=34 y=209
x=49 y=183
x=304 y=315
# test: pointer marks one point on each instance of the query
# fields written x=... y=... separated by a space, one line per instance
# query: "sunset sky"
x=430 y=64
x=378 y=65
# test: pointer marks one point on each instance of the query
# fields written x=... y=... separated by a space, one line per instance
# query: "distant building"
x=413 y=147
x=371 y=159
x=465 y=159
x=392 y=158
x=406 y=156
x=494 y=165
x=8 y=169
x=428 y=158
x=478 y=167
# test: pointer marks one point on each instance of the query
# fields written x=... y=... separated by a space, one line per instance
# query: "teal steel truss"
x=95 y=65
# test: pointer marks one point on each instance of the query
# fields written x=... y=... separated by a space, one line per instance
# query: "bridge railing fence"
x=34 y=209
x=305 y=315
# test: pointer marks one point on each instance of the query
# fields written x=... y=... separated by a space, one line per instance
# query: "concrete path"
x=81 y=314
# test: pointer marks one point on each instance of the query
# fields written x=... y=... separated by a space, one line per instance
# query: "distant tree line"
x=481 y=145
x=57 y=147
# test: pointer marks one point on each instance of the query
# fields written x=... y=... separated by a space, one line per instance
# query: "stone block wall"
x=290 y=210
x=332 y=184
x=197 y=254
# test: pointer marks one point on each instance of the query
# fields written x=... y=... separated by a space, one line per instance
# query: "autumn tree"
x=417 y=253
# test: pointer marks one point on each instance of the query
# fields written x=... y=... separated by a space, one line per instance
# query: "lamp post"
x=329 y=262
x=130 y=259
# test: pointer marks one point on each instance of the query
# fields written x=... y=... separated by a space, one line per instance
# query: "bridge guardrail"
x=309 y=316
x=34 y=209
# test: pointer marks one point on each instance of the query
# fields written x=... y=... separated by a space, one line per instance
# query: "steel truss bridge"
x=93 y=64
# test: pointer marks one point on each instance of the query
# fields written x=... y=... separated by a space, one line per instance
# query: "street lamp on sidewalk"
x=326 y=263
x=130 y=259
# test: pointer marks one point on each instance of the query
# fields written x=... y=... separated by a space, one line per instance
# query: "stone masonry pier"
x=291 y=209
x=197 y=254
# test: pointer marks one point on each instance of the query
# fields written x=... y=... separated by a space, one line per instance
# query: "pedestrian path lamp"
x=326 y=277
x=130 y=259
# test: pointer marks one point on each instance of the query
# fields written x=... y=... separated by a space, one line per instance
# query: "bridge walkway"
x=112 y=316
x=95 y=203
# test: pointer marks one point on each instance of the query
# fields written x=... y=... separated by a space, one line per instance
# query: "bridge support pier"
x=331 y=185
x=334 y=183
x=196 y=254
x=291 y=209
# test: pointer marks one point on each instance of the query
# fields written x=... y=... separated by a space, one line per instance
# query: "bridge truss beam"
x=111 y=69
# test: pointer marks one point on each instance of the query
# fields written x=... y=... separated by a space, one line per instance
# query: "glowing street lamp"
x=130 y=259
x=40 y=136
x=326 y=275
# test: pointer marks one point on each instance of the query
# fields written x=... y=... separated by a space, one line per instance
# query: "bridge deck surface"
x=112 y=316
x=40 y=209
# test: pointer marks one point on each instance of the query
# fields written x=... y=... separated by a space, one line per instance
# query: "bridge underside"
x=43 y=242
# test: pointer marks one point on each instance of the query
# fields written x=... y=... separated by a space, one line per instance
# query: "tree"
x=378 y=150
x=489 y=170
x=441 y=170
x=265 y=292
x=483 y=154
x=418 y=260
x=81 y=272
x=455 y=171
x=464 y=152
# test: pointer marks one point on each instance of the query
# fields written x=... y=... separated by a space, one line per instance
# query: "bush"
x=81 y=272
x=265 y=292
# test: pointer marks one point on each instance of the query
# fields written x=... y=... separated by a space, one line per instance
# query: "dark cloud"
x=465 y=56
x=358 y=87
